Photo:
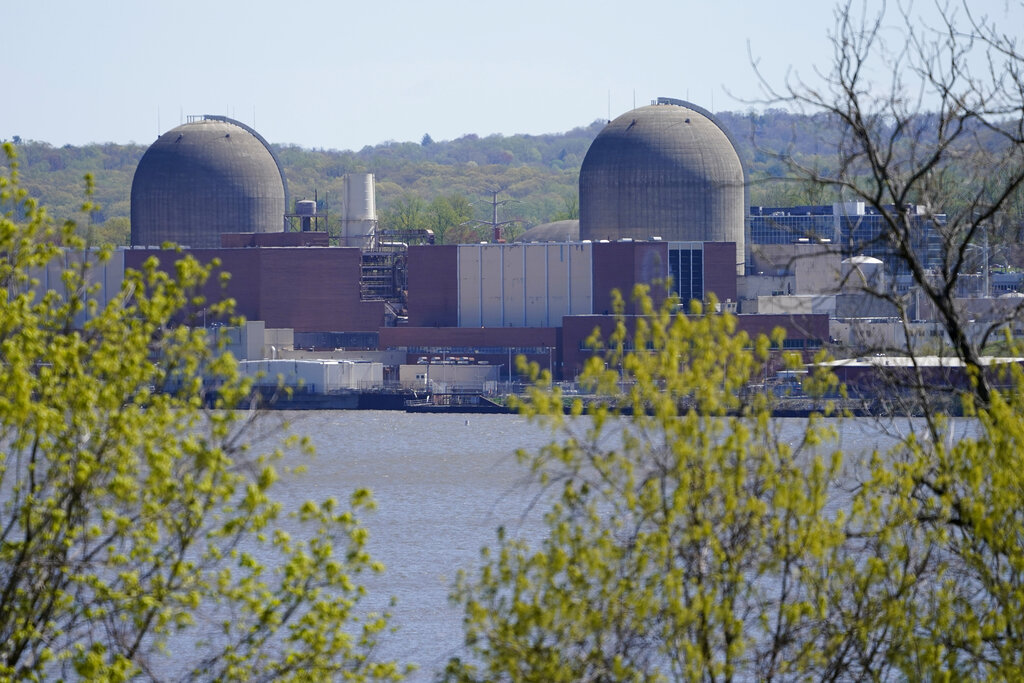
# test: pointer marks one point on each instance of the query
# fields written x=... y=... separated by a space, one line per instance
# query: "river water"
x=443 y=484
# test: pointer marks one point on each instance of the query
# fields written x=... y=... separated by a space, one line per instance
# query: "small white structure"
x=863 y=273
x=314 y=376
x=245 y=342
x=450 y=376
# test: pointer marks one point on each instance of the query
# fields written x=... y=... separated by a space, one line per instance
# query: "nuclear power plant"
x=213 y=176
x=663 y=202
x=668 y=171
x=205 y=178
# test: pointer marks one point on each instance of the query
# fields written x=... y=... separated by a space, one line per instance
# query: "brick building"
x=491 y=302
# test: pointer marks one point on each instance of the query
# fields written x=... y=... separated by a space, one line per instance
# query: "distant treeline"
x=444 y=185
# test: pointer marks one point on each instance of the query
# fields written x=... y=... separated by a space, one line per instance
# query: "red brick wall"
x=243 y=286
x=802 y=326
x=307 y=289
x=315 y=290
x=433 y=285
x=395 y=337
x=720 y=270
x=236 y=240
x=621 y=265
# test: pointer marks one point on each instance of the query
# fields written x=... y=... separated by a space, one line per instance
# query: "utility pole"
x=495 y=224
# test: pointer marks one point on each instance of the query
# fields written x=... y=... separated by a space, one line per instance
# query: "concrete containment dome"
x=209 y=176
x=667 y=170
x=558 y=231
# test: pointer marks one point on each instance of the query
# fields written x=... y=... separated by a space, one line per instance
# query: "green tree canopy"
x=669 y=544
x=448 y=218
x=134 y=515
x=690 y=538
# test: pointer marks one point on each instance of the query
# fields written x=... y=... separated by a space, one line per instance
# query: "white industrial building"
x=524 y=285
x=314 y=376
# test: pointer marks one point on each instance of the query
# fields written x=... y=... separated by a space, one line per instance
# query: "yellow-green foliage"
x=133 y=518
x=684 y=534
x=693 y=537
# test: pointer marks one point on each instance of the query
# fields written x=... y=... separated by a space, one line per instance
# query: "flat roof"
x=920 y=361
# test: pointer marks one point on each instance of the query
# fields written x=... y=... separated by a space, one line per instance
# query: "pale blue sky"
x=343 y=75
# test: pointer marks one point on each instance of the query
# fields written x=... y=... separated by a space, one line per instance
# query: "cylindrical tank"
x=359 y=213
x=204 y=178
x=861 y=273
x=668 y=170
x=305 y=207
x=360 y=204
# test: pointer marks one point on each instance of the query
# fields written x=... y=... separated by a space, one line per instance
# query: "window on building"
x=686 y=266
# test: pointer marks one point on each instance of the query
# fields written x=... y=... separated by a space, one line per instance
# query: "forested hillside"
x=443 y=185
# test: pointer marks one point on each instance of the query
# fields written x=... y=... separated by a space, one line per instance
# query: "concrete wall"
x=108 y=275
x=567 y=282
x=817 y=269
x=245 y=342
x=864 y=305
x=788 y=305
x=522 y=285
x=867 y=336
x=537 y=284
x=813 y=267
x=278 y=341
x=980 y=309
x=752 y=287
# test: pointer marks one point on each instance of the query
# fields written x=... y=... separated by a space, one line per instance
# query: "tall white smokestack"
x=359 y=219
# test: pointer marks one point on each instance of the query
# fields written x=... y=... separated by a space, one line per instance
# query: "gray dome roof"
x=667 y=170
x=206 y=177
x=862 y=260
x=558 y=231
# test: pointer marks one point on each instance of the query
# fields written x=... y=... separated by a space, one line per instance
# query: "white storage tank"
x=861 y=273
x=359 y=211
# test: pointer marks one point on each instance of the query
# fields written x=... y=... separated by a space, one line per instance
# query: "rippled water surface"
x=443 y=484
